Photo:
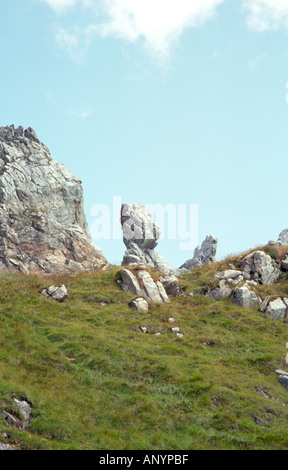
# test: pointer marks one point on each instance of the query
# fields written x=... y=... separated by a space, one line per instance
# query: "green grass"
x=95 y=381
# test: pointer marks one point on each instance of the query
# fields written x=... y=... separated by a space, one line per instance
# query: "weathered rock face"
x=204 y=255
x=260 y=267
x=141 y=284
x=140 y=235
x=245 y=297
x=43 y=228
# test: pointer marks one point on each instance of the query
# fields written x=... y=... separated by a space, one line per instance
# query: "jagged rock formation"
x=140 y=236
x=256 y=268
x=43 y=227
x=260 y=267
x=141 y=283
x=282 y=239
x=204 y=255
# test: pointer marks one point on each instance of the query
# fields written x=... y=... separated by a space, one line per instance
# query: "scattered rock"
x=283 y=379
x=245 y=297
x=25 y=410
x=284 y=264
x=264 y=304
x=223 y=290
x=259 y=421
x=56 y=293
x=171 y=320
x=204 y=255
x=43 y=224
x=129 y=282
x=282 y=239
x=140 y=304
x=228 y=274
x=259 y=267
x=142 y=284
x=175 y=329
x=171 y=285
x=277 y=309
x=6 y=446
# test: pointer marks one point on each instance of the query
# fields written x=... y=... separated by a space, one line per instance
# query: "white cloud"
x=265 y=15
x=159 y=22
x=75 y=42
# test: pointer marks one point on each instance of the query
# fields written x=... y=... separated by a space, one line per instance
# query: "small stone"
x=175 y=329
x=259 y=421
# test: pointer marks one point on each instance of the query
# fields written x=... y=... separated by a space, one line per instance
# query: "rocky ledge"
x=43 y=227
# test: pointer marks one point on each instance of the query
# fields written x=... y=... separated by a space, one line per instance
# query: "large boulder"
x=141 y=283
x=259 y=267
x=140 y=236
x=277 y=309
x=203 y=255
x=43 y=227
x=245 y=297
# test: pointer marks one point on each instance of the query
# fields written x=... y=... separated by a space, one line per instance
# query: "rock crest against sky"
x=43 y=227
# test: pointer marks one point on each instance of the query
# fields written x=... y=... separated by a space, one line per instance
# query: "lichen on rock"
x=43 y=228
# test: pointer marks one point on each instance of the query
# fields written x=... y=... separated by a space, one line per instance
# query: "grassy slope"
x=96 y=382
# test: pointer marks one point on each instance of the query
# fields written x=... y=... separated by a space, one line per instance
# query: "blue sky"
x=180 y=102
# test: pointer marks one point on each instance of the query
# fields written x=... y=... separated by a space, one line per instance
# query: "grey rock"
x=223 y=290
x=57 y=293
x=228 y=274
x=282 y=239
x=142 y=284
x=264 y=304
x=138 y=227
x=284 y=264
x=25 y=410
x=277 y=309
x=245 y=297
x=259 y=421
x=6 y=446
x=203 y=255
x=260 y=267
x=43 y=227
x=283 y=379
x=140 y=236
x=150 y=287
x=140 y=304
x=130 y=283
x=171 y=285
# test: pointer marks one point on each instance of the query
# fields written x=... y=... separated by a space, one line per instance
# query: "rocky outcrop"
x=141 y=283
x=245 y=297
x=140 y=236
x=260 y=267
x=282 y=239
x=256 y=268
x=43 y=227
x=203 y=255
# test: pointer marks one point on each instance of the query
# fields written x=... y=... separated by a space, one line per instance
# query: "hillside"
x=94 y=380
